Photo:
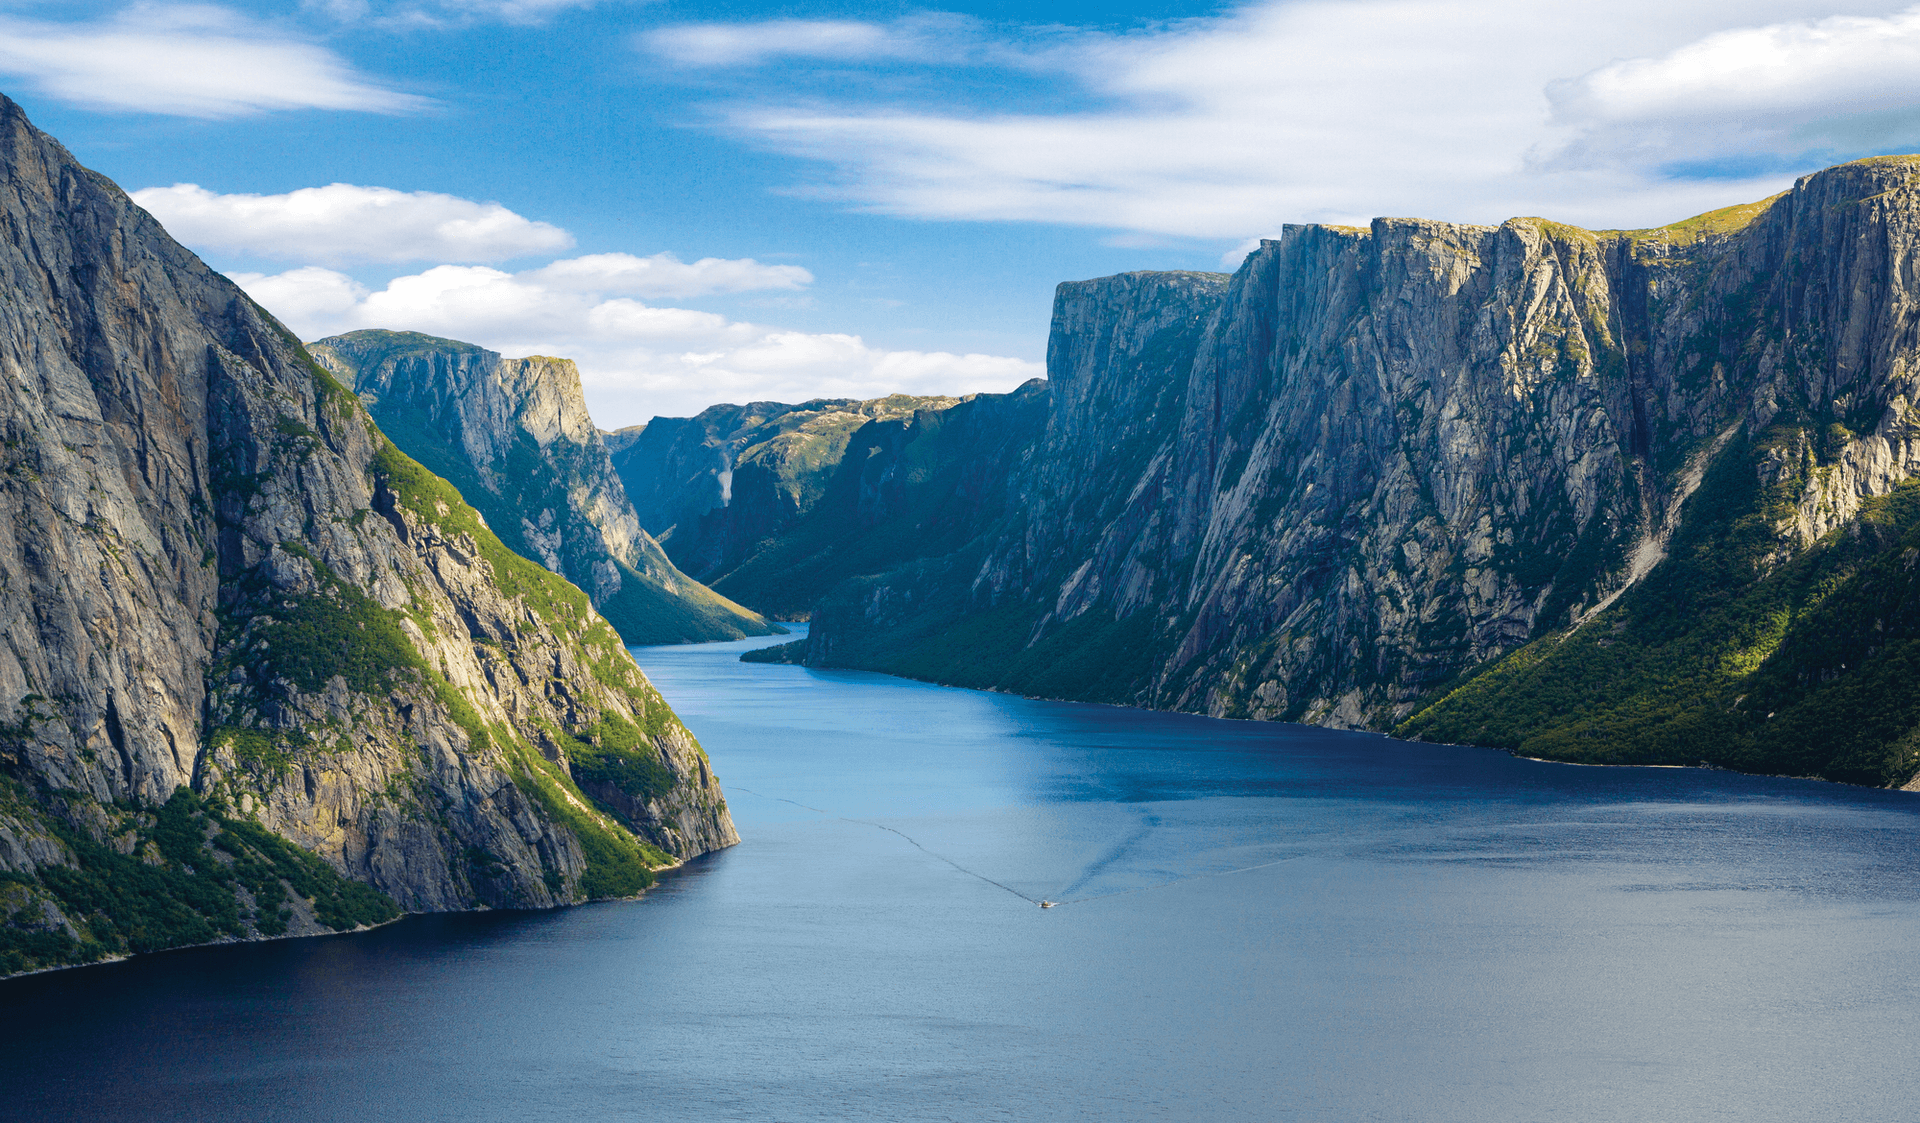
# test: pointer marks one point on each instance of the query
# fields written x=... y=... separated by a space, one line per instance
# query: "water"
x=1413 y=933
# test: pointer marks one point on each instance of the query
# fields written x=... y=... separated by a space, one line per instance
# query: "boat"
x=1046 y=904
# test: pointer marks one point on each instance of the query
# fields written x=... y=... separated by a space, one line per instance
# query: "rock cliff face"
x=718 y=487
x=1625 y=469
x=923 y=486
x=514 y=436
x=264 y=673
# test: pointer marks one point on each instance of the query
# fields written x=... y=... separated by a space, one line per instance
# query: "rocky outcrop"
x=514 y=436
x=263 y=672
x=718 y=487
x=1379 y=460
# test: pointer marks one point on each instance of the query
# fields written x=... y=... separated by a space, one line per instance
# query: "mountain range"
x=1629 y=496
x=306 y=637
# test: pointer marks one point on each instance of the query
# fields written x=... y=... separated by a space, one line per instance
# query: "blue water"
x=1265 y=922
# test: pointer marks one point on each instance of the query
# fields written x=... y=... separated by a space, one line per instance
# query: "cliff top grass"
x=391 y=341
x=1897 y=158
x=1725 y=220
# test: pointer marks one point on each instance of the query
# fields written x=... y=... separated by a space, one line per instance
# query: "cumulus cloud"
x=664 y=275
x=1788 y=88
x=187 y=60
x=341 y=223
x=1280 y=111
x=636 y=360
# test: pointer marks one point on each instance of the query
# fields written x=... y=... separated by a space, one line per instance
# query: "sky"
x=703 y=202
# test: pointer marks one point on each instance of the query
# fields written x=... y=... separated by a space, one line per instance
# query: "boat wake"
x=1092 y=871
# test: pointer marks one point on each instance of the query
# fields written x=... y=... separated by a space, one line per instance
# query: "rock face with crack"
x=262 y=672
x=1625 y=470
x=514 y=436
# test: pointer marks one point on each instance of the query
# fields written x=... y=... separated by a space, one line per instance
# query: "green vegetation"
x=795 y=652
x=305 y=640
x=1094 y=657
x=618 y=865
x=436 y=501
x=179 y=885
x=618 y=753
x=1724 y=654
x=1724 y=220
x=340 y=631
x=643 y=611
x=909 y=488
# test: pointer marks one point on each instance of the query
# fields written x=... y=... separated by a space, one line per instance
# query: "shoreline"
x=123 y=957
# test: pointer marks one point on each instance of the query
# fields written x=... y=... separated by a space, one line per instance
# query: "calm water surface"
x=1265 y=922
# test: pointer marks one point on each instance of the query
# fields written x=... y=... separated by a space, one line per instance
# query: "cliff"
x=718 y=487
x=928 y=484
x=1616 y=495
x=514 y=436
x=265 y=674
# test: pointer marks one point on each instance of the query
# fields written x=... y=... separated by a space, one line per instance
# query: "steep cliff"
x=1587 y=494
x=514 y=436
x=920 y=486
x=264 y=673
x=718 y=487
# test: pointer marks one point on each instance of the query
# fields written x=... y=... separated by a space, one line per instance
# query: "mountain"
x=1621 y=496
x=513 y=435
x=264 y=673
x=717 y=487
x=922 y=485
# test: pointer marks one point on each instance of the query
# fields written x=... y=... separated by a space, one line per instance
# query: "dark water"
x=1413 y=933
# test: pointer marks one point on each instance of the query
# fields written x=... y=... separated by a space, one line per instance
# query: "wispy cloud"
x=343 y=223
x=188 y=60
x=664 y=275
x=636 y=360
x=1301 y=110
x=926 y=37
x=442 y=13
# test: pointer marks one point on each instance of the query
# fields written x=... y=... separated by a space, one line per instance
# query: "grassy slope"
x=171 y=890
x=643 y=611
x=1722 y=655
x=618 y=864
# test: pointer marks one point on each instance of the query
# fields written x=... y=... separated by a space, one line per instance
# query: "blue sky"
x=860 y=198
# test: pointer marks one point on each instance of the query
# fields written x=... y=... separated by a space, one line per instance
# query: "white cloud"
x=664 y=275
x=1787 y=87
x=442 y=13
x=929 y=36
x=637 y=361
x=341 y=223
x=187 y=60
x=1281 y=111
x=734 y=44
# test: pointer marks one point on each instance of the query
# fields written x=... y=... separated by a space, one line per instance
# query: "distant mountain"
x=1616 y=496
x=513 y=435
x=265 y=674
x=716 y=488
